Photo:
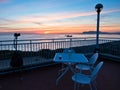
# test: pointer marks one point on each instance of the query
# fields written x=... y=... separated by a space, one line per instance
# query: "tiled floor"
x=44 y=78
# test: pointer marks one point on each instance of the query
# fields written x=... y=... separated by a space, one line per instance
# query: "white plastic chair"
x=88 y=66
x=79 y=78
x=68 y=50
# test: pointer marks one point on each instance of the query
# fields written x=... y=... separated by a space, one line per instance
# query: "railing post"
x=1 y=45
x=70 y=42
x=53 y=44
x=30 y=47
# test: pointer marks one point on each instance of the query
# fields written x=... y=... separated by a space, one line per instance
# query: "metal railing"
x=43 y=50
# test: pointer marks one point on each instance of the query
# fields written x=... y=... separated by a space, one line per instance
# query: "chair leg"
x=80 y=71
x=90 y=71
x=95 y=84
x=75 y=85
x=90 y=86
x=78 y=86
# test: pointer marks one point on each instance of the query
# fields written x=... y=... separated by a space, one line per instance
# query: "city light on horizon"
x=52 y=16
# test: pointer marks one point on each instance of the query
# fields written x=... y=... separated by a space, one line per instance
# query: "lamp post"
x=98 y=9
x=15 y=40
x=16 y=60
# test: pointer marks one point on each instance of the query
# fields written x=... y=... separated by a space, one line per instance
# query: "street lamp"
x=16 y=35
x=16 y=59
x=98 y=9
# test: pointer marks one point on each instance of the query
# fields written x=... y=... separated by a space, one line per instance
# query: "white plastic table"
x=69 y=59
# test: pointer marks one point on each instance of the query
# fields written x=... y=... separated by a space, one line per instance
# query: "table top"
x=70 y=57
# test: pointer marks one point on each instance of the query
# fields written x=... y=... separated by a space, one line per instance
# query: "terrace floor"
x=44 y=78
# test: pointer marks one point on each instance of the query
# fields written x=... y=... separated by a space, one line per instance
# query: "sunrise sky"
x=58 y=16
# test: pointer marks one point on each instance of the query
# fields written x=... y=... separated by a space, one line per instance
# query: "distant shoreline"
x=94 y=32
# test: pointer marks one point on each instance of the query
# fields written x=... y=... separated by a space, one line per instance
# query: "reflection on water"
x=50 y=36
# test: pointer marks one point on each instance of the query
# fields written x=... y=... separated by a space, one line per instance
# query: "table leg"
x=71 y=68
x=67 y=68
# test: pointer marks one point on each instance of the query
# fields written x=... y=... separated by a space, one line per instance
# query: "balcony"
x=39 y=72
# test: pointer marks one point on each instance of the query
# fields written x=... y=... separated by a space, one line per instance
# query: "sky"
x=58 y=16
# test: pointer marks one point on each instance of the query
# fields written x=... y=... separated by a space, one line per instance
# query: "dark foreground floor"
x=44 y=79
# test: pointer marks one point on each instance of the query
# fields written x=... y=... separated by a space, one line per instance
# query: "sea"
x=27 y=38
x=54 y=36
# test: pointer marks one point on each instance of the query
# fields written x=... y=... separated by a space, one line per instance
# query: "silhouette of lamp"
x=16 y=35
x=98 y=9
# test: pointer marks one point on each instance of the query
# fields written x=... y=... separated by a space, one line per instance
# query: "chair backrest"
x=96 y=69
x=93 y=59
x=68 y=50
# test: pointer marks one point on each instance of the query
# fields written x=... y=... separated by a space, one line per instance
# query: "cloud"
x=38 y=23
x=59 y=16
x=47 y=18
x=38 y=19
x=20 y=30
x=6 y=20
x=27 y=7
x=111 y=11
x=34 y=22
x=4 y=1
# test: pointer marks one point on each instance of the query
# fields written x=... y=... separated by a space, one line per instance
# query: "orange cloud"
x=52 y=17
x=61 y=29
x=68 y=29
x=110 y=28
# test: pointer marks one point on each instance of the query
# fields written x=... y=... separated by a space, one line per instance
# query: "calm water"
x=29 y=47
x=49 y=36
